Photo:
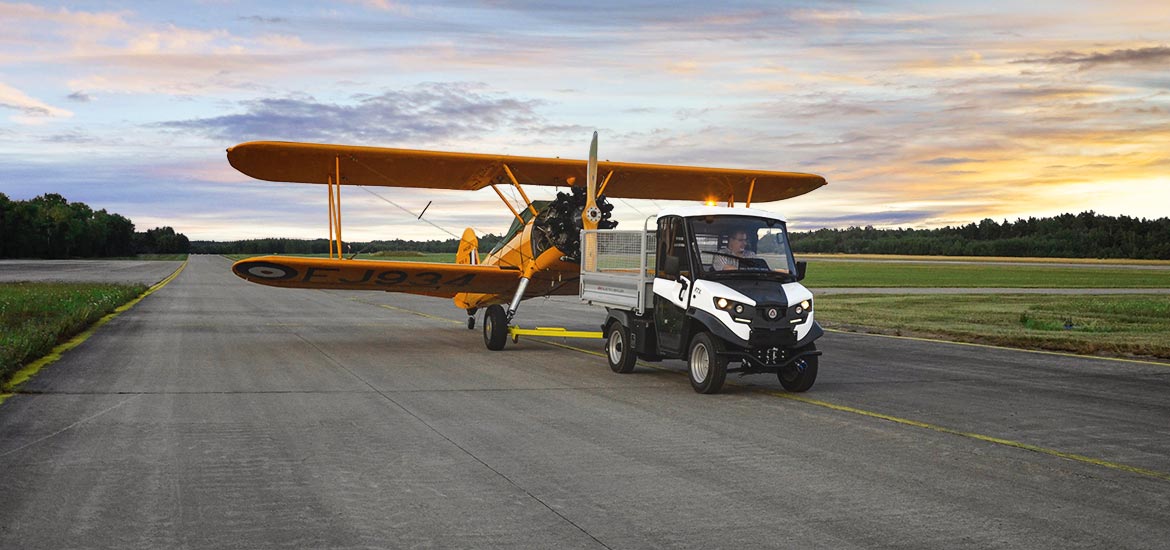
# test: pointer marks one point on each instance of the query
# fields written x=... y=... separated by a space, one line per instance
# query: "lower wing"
x=430 y=279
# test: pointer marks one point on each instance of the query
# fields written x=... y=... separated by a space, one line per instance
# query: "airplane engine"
x=559 y=224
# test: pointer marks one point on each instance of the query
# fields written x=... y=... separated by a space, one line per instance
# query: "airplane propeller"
x=592 y=214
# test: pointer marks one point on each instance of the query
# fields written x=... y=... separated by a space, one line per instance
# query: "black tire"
x=707 y=369
x=495 y=327
x=618 y=351
x=800 y=375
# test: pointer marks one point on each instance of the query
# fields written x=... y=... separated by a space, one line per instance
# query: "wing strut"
x=506 y=203
x=520 y=189
x=335 y=209
x=601 y=191
x=751 y=189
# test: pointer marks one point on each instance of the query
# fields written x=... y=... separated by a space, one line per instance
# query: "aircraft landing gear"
x=471 y=318
x=495 y=327
x=496 y=319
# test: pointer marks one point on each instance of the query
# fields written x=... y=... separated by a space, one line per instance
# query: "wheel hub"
x=700 y=363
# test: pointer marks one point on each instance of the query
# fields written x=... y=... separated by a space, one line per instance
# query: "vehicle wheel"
x=495 y=328
x=800 y=375
x=617 y=348
x=708 y=370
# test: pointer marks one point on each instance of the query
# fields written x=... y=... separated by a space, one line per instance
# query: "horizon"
x=919 y=117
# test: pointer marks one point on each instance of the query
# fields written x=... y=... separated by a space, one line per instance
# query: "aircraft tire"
x=800 y=375
x=618 y=351
x=495 y=327
x=707 y=369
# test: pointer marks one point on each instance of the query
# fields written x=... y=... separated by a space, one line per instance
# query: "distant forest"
x=1084 y=235
x=49 y=226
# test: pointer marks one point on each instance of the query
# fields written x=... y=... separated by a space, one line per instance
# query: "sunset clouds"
x=919 y=115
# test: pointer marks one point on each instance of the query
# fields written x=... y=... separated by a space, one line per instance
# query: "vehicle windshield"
x=742 y=244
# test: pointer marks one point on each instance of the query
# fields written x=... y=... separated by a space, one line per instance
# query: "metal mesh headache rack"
x=617 y=268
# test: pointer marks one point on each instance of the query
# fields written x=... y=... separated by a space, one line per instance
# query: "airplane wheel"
x=617 y=348
x=707 y=369
x=495 y=328
x=800 y=375
x=471 y=323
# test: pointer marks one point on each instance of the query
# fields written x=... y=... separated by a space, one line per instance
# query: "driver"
x=727 y=257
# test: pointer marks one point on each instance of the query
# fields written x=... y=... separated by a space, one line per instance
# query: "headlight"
x=730 y=306
x=804 y=306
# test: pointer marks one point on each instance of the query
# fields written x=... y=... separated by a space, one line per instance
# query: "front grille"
x=772 y=337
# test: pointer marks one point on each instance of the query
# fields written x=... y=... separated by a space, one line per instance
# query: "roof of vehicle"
x=703 y=210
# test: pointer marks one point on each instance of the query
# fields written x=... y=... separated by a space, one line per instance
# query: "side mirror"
x=670 y=265
x=801 y=268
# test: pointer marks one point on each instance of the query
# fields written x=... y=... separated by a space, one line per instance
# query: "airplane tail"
x=468 y=248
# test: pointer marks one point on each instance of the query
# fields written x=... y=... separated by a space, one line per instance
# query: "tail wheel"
x=617 y=348
x=495 y=328
x=707 y=368
x=800 y=375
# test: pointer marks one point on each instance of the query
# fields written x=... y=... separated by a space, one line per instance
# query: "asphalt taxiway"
x=218 y=413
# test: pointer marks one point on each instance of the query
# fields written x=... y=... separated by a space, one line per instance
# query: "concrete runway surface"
x=218 y=413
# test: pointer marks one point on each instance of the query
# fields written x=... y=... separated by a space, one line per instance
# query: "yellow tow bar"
x=554 y=332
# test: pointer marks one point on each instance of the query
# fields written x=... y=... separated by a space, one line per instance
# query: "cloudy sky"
x=920 y=114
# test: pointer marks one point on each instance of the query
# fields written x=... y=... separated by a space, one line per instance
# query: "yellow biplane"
x=540 y=254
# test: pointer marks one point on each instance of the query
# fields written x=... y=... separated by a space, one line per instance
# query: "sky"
x=919 y=114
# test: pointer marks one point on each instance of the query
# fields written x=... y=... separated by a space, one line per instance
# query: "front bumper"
x=765 y=360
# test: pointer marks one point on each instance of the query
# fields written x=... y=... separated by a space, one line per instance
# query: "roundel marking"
x=772 y=313
x=268 y=270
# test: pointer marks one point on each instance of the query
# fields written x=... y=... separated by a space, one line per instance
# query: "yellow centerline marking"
x=918 y=424
x=887 y=417
x=29 y=370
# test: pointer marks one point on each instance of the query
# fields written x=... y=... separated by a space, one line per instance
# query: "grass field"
x=886 y=275
x=982 y=259
x=1117 y=325
x=35 y=317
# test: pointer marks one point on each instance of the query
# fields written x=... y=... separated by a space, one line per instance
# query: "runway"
x=218 y=413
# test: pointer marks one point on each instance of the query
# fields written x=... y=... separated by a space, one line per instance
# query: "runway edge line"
x=28 y=371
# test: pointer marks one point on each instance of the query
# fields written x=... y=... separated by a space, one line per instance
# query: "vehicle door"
x=672 y=284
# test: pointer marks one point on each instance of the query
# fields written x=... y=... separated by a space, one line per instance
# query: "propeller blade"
x=591 y=215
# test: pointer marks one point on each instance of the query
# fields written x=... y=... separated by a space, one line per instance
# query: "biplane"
x=540 y=253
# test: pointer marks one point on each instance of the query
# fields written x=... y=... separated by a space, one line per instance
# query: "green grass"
x=1117 y=325
x=886 y=275
x=35 y=317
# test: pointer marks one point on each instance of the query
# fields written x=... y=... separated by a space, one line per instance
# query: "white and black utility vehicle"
x=715 y=286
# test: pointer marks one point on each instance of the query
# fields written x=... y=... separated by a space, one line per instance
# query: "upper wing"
x=317 y=163
x=431 y=279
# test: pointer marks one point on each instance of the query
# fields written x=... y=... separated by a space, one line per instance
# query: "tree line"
x=1084 y=235
x=49 y=226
